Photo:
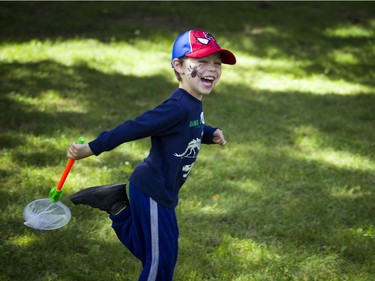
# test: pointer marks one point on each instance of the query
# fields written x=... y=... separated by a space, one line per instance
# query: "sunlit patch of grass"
x=281 y=75
x=343 y=159
x=265 y=74
x=368 y=233
x=315 y=84
x=23 y=240
x=319 y=266
x=343 y=57
x=349 y=31
x=245 y=250
x=249 y=68
x=349 y=192
x=257 y=259
x=48 y=101
x=124 y=58
x=310 y=143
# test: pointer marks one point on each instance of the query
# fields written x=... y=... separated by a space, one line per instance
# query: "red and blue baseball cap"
x=199 y=44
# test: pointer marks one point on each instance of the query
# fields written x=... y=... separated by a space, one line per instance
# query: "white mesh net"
x=44 y=215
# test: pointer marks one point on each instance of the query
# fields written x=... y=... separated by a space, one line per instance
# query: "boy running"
x=146 y=222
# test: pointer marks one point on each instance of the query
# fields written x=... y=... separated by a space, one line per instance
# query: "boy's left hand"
x=218 y=137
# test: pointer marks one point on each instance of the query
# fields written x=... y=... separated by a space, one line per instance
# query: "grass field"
x=291 y=196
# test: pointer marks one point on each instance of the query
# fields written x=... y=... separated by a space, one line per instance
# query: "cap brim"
x=227 y=57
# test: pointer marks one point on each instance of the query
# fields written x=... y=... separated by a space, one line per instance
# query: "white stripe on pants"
x=154 y=240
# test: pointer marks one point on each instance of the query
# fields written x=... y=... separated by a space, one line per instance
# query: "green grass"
x=291 y=197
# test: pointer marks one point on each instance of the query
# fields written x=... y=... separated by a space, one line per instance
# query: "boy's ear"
x=177 y=65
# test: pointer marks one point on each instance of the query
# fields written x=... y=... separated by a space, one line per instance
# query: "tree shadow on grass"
x=261 y=29
x=294 y=205
x=85 y=90
x=311 y=214
x=85 y=249
x=273 y=192
x=22 y=118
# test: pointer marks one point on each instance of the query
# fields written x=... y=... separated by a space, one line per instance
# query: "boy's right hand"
x=79 y=151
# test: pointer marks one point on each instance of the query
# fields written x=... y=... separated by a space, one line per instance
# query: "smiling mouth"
x=208 y=80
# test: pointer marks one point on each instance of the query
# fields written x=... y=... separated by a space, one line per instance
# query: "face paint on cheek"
x=194 y=72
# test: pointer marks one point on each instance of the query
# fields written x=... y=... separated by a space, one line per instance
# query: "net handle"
x=65 y=174
x=68 y=167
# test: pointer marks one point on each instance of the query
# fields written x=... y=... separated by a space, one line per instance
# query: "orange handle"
x=80 y=140
x=65 y=174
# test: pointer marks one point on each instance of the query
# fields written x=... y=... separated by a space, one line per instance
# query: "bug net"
x=43 y=214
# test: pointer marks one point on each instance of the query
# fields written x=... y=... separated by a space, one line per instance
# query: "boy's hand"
x=79 y=151
x=218 y=137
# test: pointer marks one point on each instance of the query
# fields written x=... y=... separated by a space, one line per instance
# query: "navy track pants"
x=150 y=232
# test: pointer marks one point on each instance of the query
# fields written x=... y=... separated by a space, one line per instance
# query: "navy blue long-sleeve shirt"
x=177 y=129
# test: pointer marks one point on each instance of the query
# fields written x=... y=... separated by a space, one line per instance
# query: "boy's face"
x=199 y=76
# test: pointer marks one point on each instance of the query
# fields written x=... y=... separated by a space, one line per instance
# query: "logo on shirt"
x=197 y=122
x=191 y=151
x=193 y=146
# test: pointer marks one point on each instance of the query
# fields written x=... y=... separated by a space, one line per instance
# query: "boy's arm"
x=152 y=122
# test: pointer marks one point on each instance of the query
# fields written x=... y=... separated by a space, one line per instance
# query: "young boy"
x=146 y=224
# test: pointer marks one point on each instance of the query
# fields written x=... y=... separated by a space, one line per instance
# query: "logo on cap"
x=198 y=44
x=204 y=39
